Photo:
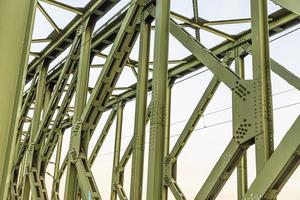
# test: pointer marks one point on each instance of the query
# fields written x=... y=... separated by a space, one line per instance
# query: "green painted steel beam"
x=36 y=174
x=129 y=148
x=116 y=158
x=101 y=100
x=67 y=70
x=292 y=5
x=171 y=159
x=112 y=69
x=63 y=6
x=194 y=64
x=52 y=137
x=98 y=144
x=196 y=17
x=184 y=69
x=59 y=39
x=77 y=142
x=36 y=186
x=222 y=170
x=14 y=51
x=221 y=70
x=193 y=120
x=49 y=19
x=56 y=179
x=157 y=147
x=261 y=71
x=285 y=74
x=242 y=172
x=140 y=113
x=102 y=136
x=281 y=165
x=200 y=26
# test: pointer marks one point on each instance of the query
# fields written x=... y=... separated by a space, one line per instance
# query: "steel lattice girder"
x=122 y=33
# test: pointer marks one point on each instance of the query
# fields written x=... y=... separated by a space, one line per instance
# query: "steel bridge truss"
x=51 y=93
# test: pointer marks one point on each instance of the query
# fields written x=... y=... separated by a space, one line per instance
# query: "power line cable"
x=206 y=127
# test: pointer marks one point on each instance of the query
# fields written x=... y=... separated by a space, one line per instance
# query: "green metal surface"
x=157 y=147
x=261 y=71
x=140 y=114
x=14 y=51
x=61 y=99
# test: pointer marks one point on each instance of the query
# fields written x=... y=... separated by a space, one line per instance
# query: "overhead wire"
x=206 y=127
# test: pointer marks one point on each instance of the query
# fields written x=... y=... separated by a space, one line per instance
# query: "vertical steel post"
x=140 y=114
x=158 y=133
x=261 y=72
x=48 y=92
x=167 y=134
x=242 y=175
x=117 y=148
x=80 y=102
x=38 y=106
x=196 y=16
x=55 y=183
x=17 y=23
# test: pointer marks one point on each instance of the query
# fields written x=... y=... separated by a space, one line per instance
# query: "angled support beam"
x=57 y=93
x=282 y=72
x=197 y=113
x=41 y=40
x=134 y=72
x=102 y=136
x=200 y=26
x=67 y=70
x=171 y=159
x=278 y=169
x=63 y=6
x=246 y=116
x=228 y=21
x=91 y=114
x=38 y=138
x=288 y=76
x=175 y=189
x=35 y=185
x=222 y=71
x=112 y=69
x=86 y=181
x=193 y=64
x=47 y=16
x=56 y=179
x=52 y=136
x=27 y=102
x=59 y=39
x=292 y=5
x=222 y=170
x=126 y=155
x=98 y=144
x=34 y=54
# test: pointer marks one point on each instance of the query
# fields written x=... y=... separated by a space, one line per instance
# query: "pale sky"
x=206 y=144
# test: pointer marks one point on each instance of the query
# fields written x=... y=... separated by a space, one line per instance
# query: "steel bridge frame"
x=25 y=155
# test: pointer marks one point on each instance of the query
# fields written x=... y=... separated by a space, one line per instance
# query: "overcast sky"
x=206 y=144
